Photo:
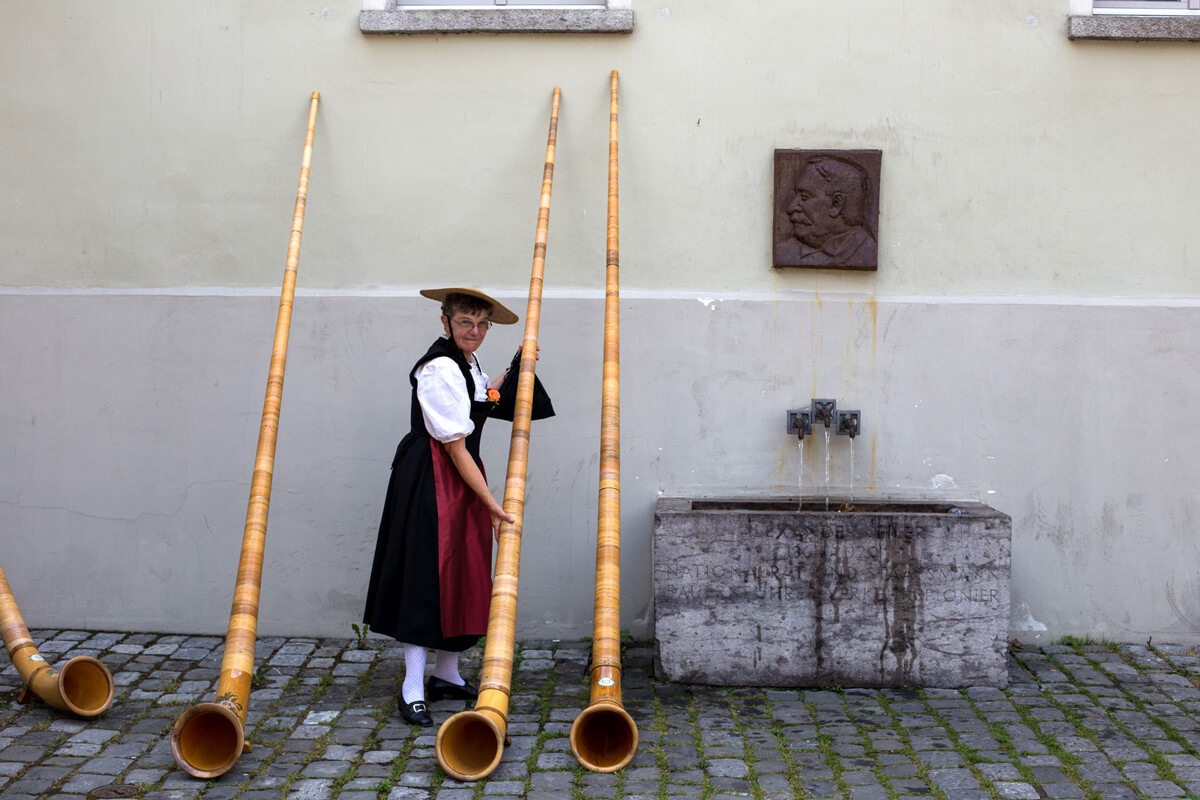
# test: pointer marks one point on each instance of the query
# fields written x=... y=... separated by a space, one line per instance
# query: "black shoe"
x=438 y=689
x=415 y=713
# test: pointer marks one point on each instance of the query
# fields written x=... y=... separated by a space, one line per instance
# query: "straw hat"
x=500 y=314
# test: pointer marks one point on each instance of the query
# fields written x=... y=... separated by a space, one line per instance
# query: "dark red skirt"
x=431 y=579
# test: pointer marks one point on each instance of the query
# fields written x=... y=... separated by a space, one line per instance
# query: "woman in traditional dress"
x=431 y=579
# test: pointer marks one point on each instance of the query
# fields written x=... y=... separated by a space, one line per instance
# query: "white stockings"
x=445 y=666
x=414 y=673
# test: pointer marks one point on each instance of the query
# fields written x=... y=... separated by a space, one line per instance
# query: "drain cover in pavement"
x=116 y=790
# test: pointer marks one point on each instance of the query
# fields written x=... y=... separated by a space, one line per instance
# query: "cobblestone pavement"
x=1077 y=720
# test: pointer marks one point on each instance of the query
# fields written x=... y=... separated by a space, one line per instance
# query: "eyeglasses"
x=465 y=325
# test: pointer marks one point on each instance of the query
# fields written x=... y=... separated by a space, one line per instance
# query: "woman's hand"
x=536 y=357
x=499 y=516
x=516 y=360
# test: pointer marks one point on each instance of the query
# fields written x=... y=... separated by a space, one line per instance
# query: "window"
x=486 y=3
x=497 y=16
x=1149 y=8
x=1135 y=20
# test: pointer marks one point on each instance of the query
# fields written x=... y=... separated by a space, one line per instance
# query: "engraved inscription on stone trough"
x=826 y=212
x=745 y=597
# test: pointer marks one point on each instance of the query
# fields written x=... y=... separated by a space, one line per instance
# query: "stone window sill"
x=615 y=17
x=1134 y=29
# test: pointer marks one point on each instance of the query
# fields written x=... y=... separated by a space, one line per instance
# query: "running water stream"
x=826 y=467
x=851 y=503
x=800 y=482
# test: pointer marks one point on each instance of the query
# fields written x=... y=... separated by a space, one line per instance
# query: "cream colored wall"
x=156 y=144
x=1027 y=336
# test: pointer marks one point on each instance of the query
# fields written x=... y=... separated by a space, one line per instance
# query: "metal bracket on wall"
x=824 y=411
x=849 y=423
x=799 y=422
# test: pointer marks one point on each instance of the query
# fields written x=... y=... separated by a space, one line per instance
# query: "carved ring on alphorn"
x=470 y=743
x=209 y=738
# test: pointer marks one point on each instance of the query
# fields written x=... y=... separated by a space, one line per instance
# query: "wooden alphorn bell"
x=208 y=738
x=83 y=686
x=604 y=737
x=470 y=743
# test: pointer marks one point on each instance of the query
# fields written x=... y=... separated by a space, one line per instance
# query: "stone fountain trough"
x=775 y=593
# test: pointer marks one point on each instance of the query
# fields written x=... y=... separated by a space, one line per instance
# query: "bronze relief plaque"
x=826 y=209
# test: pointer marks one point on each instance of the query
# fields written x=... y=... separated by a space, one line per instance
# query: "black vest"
x=479 y=409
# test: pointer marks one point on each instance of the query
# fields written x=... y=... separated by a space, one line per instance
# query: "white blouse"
x=442 y=393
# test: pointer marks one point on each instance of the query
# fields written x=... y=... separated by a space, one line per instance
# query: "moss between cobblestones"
x=57 y=742
x=1070 y=762
x=825 y=744
x=747 y=748
x=870 y=752
x=321 y=744
x=544 y=703
x=693 y=711
x=660 y=753
x=323 y=685
x=971 y=756
x=1075 y=718
x=1171 y=733
x=789 y=760
x=909 y=751
x=669 y=717
x=1005 y=741
x=1079 y=642
x=1165 y=770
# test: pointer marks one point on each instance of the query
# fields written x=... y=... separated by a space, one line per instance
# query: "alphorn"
x=83 y=686
x=470 y=743
x=604 y=737
x=208 y=738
